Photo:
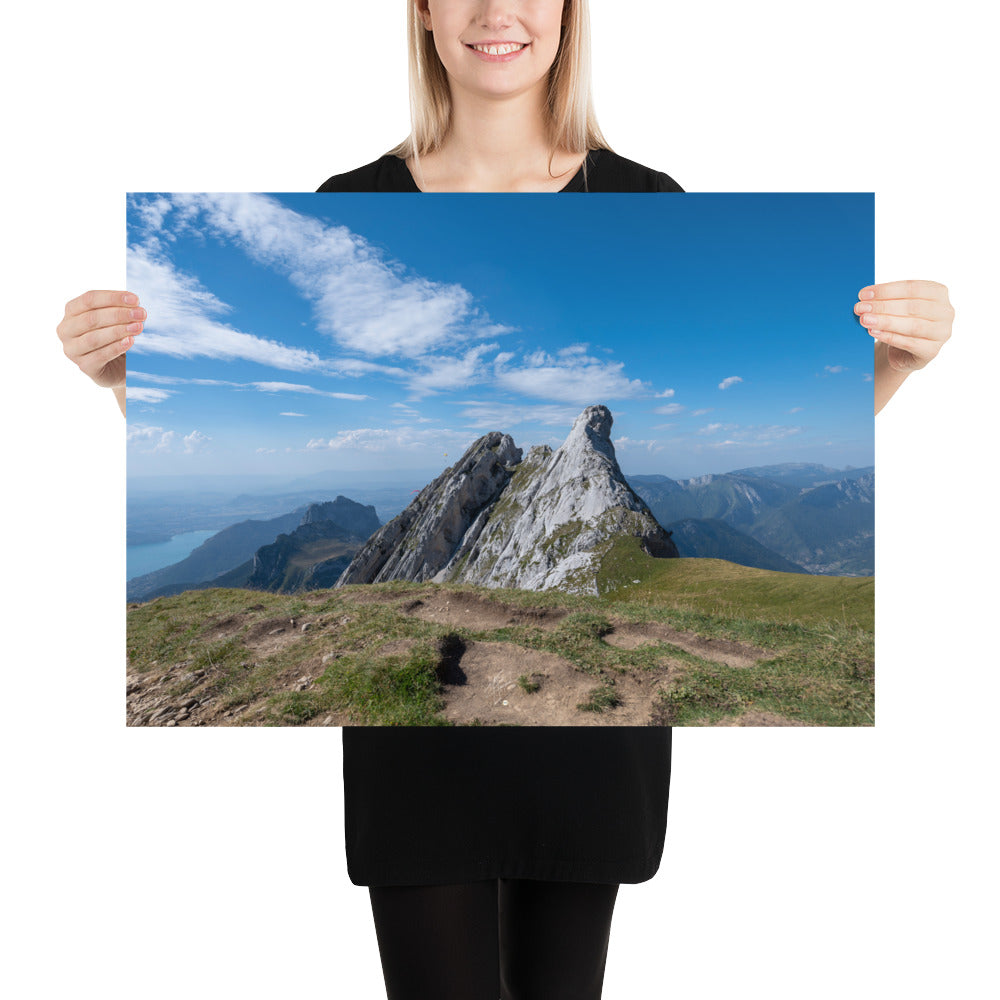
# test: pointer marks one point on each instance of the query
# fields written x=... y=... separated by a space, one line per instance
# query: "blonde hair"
x=571 y=120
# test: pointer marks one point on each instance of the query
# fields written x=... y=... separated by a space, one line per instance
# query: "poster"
x=500 y=460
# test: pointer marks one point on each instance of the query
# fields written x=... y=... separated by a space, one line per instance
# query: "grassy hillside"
x=694 y=642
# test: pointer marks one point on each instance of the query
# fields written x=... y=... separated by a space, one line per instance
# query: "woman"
x=494 y=855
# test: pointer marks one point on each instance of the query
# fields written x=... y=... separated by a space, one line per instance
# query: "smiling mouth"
x=504 y=49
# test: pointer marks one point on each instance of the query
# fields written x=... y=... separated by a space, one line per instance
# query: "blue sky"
x=293 y=334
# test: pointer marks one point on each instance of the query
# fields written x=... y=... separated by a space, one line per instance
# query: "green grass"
x=819 y=630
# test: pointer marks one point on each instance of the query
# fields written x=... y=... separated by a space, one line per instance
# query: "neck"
x=495 y=144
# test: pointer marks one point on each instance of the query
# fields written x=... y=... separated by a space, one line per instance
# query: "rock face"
x=422 y=540
x=542 y=523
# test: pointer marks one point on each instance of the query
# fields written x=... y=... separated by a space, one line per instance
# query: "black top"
x=605 y=172
x=444 y=805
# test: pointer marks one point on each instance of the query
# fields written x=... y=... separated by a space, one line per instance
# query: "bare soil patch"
x=628 y=635
x=483 y=686
x=478 y=613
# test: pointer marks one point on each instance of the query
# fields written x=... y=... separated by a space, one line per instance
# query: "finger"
x=87 y=343
x=95 y=299
x=97 y=360
x=929 y=309
x=920 y=348
x=905 y=290
x=98 y=319
x=908 y=326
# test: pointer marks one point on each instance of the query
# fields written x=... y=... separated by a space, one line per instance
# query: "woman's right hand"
x=96 y=331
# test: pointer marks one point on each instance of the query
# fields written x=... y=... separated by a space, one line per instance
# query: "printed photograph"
x=471 y=459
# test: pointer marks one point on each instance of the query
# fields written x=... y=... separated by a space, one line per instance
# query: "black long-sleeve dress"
x=445 y=805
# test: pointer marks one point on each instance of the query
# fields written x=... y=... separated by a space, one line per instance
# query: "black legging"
x=514 y=939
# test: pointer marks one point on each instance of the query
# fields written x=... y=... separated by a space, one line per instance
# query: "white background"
x=815 y=863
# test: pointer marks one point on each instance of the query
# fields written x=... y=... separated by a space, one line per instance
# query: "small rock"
x=306 y=627
x=180 y=717
x=330 y=657
x=276 y=631
x=328 y=721
x=190 y=703
x=171 y=723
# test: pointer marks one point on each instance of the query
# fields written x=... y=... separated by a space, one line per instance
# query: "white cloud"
x=181 y=322
x=666 y=394
x=756 y=436
x=715 y=428
x=148 y=440
x=731 y=380
x=289 y=414
x=868 y=377
x=439 y=443
x=669 y=410
x=194 y=441
x=366 y=303
x=632 y=444
x=574 y=378
x=144 y=394
x=502 y=416
x=444 y=373
x=835 y=369
x=307 y=389
x=701 y=413
x=265 y=451
x=795 y=409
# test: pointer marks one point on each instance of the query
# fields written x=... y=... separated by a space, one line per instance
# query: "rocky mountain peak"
x=497 y=521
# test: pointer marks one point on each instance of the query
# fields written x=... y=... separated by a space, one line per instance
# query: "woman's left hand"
x=912 y=318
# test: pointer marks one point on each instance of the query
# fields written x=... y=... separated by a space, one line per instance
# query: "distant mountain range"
x=496 y=519
x=816 y=518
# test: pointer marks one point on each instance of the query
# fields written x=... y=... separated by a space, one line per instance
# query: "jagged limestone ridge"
x=424 y=538
x=558 y=517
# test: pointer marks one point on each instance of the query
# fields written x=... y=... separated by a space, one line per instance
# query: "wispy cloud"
x=666 y=394
x=574 y=377
x=835 y=369
x=448 y=373
x=144 y=394
x=381 y=439
x=627 y=444
x=306 y=389
x=669 y=410
x=184 y=321
x=731 y=380
x=502 y=416
x=368 y=304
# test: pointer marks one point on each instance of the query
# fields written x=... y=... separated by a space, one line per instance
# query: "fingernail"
x=128 y=342
x=863 y=307
x=868 y=319
x=130 y=300
x=866 y=293
x=133 y=328
x=137 y=314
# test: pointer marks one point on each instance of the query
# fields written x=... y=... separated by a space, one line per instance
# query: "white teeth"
x=499 y=50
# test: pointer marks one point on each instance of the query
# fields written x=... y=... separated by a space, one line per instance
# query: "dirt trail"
x=630 y=635
x=480 y=682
